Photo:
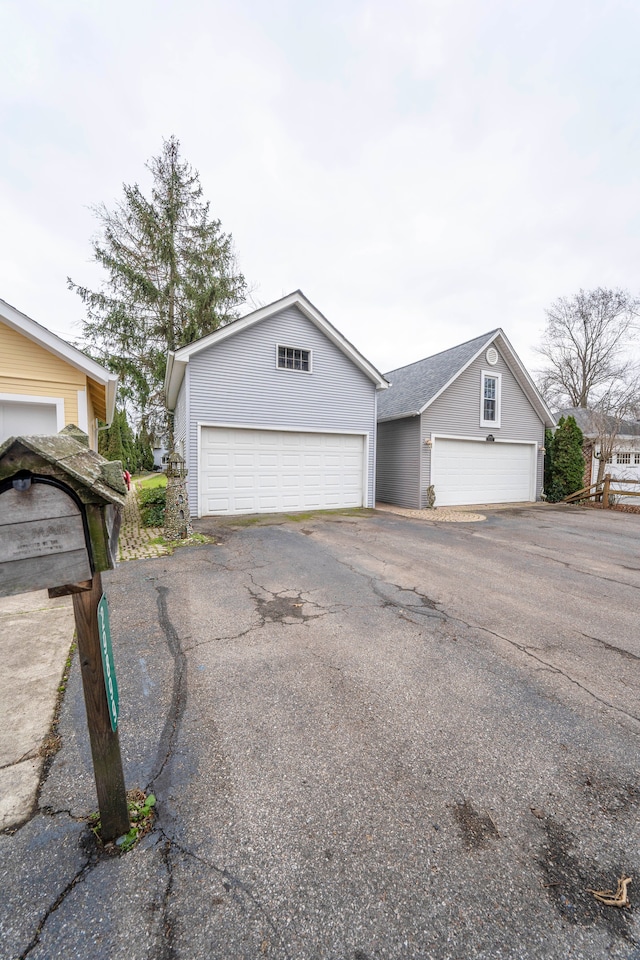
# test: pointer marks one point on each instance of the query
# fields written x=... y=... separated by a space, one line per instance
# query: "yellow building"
x=46 y=384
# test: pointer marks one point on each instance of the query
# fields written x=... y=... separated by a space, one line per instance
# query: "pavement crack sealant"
x=179 y=692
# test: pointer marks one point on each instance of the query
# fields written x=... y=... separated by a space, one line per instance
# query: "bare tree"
x=585 y=347
x=608 y=420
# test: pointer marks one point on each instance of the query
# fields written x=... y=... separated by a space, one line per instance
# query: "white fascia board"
x=111 y=391
x=296 y=299
x=54 y=344
x=173 y=379
x=399 y=416
x=459 y=372
x=518 y=370
x=527 y=384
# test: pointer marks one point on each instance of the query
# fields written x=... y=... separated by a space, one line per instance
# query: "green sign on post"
x=108 y=667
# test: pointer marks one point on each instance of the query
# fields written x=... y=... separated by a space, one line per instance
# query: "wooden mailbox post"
x=60 y=512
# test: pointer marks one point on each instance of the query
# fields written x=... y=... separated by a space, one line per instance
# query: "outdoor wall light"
x=491 y=438
x=428 y=442
x=542 y=449
x=21 y=483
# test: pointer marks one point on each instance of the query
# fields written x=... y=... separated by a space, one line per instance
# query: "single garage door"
x=22 y=419
x=468 y=471
x=268 y=471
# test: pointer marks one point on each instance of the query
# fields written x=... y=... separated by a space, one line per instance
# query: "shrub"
x=152 y=506
x=567 y=460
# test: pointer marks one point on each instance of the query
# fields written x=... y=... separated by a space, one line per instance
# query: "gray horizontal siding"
x=457 y=413
x=236 y=382
x=398 y=470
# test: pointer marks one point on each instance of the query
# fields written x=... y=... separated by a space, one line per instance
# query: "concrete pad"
x=18 y=786
x=35 y=637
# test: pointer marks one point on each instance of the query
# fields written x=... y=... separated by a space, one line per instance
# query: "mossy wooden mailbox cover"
x=60 y=510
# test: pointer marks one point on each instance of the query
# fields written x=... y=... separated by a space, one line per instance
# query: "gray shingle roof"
x=413 y=386
x=591 y=423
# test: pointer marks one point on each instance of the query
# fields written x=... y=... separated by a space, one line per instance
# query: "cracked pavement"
x=380 y=738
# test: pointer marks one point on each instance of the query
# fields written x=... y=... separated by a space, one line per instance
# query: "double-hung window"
x=490 y=400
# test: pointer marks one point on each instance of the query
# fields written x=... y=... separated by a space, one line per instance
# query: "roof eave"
x=533 y=394
x=53 y=343
x=297 y=299
x=525 y=381
x=173 y=379
x=483 y=346
x=399 y=416
x=111 y=391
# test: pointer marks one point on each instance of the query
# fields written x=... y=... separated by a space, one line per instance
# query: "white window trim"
x=289 y=346
x=495 y=424
x=83 y=411
x=58 y=402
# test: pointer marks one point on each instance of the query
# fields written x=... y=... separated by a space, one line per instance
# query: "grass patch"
x=150 y=483
x=194 y=538
x=274 y=518
x=161 y=541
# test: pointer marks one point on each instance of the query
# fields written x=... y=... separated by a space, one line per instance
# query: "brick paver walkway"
x=437 y=515
x=136 y=541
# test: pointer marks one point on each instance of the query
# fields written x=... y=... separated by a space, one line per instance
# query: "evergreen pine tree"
x=171 y=277
x=103 y=439
x=567 y=474
x=548 y=461
x=145 y=450
x=115 y=449
x=128 y=442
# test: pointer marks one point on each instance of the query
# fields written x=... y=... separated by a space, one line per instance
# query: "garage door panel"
x=466 y=472
x=283 y=470
x=22 y=419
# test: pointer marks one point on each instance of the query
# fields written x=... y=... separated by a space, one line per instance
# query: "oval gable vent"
x=492 y=356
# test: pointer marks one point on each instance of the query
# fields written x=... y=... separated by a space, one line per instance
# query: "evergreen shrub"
x=152 y=506
x=566 y=461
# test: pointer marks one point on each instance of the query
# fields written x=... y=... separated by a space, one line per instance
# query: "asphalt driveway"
x=369 y=738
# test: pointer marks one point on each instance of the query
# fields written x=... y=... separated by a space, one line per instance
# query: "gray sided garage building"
x=275 y=412
x=468 y=421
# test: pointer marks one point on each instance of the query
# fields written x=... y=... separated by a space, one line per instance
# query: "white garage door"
x=467 y=471
x=269 y=471
x=22 y=419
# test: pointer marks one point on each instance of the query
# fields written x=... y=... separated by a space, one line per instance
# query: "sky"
x=423 y=171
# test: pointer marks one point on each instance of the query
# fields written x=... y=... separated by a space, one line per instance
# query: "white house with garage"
x=275 y=412
x=468 y=421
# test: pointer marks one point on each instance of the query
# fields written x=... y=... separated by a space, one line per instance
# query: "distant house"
x=622 y=438
x=275 y=412
x=468 y=421
x=46 y=384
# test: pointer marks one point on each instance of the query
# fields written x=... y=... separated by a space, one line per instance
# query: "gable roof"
x=416 y=386
x=177 y=360
x=23 y=324
x=593 y=424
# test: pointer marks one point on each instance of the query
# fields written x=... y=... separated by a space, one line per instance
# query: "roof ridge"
x=456 y=346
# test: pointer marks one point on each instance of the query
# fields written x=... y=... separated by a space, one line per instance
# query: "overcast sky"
x=423 y=171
